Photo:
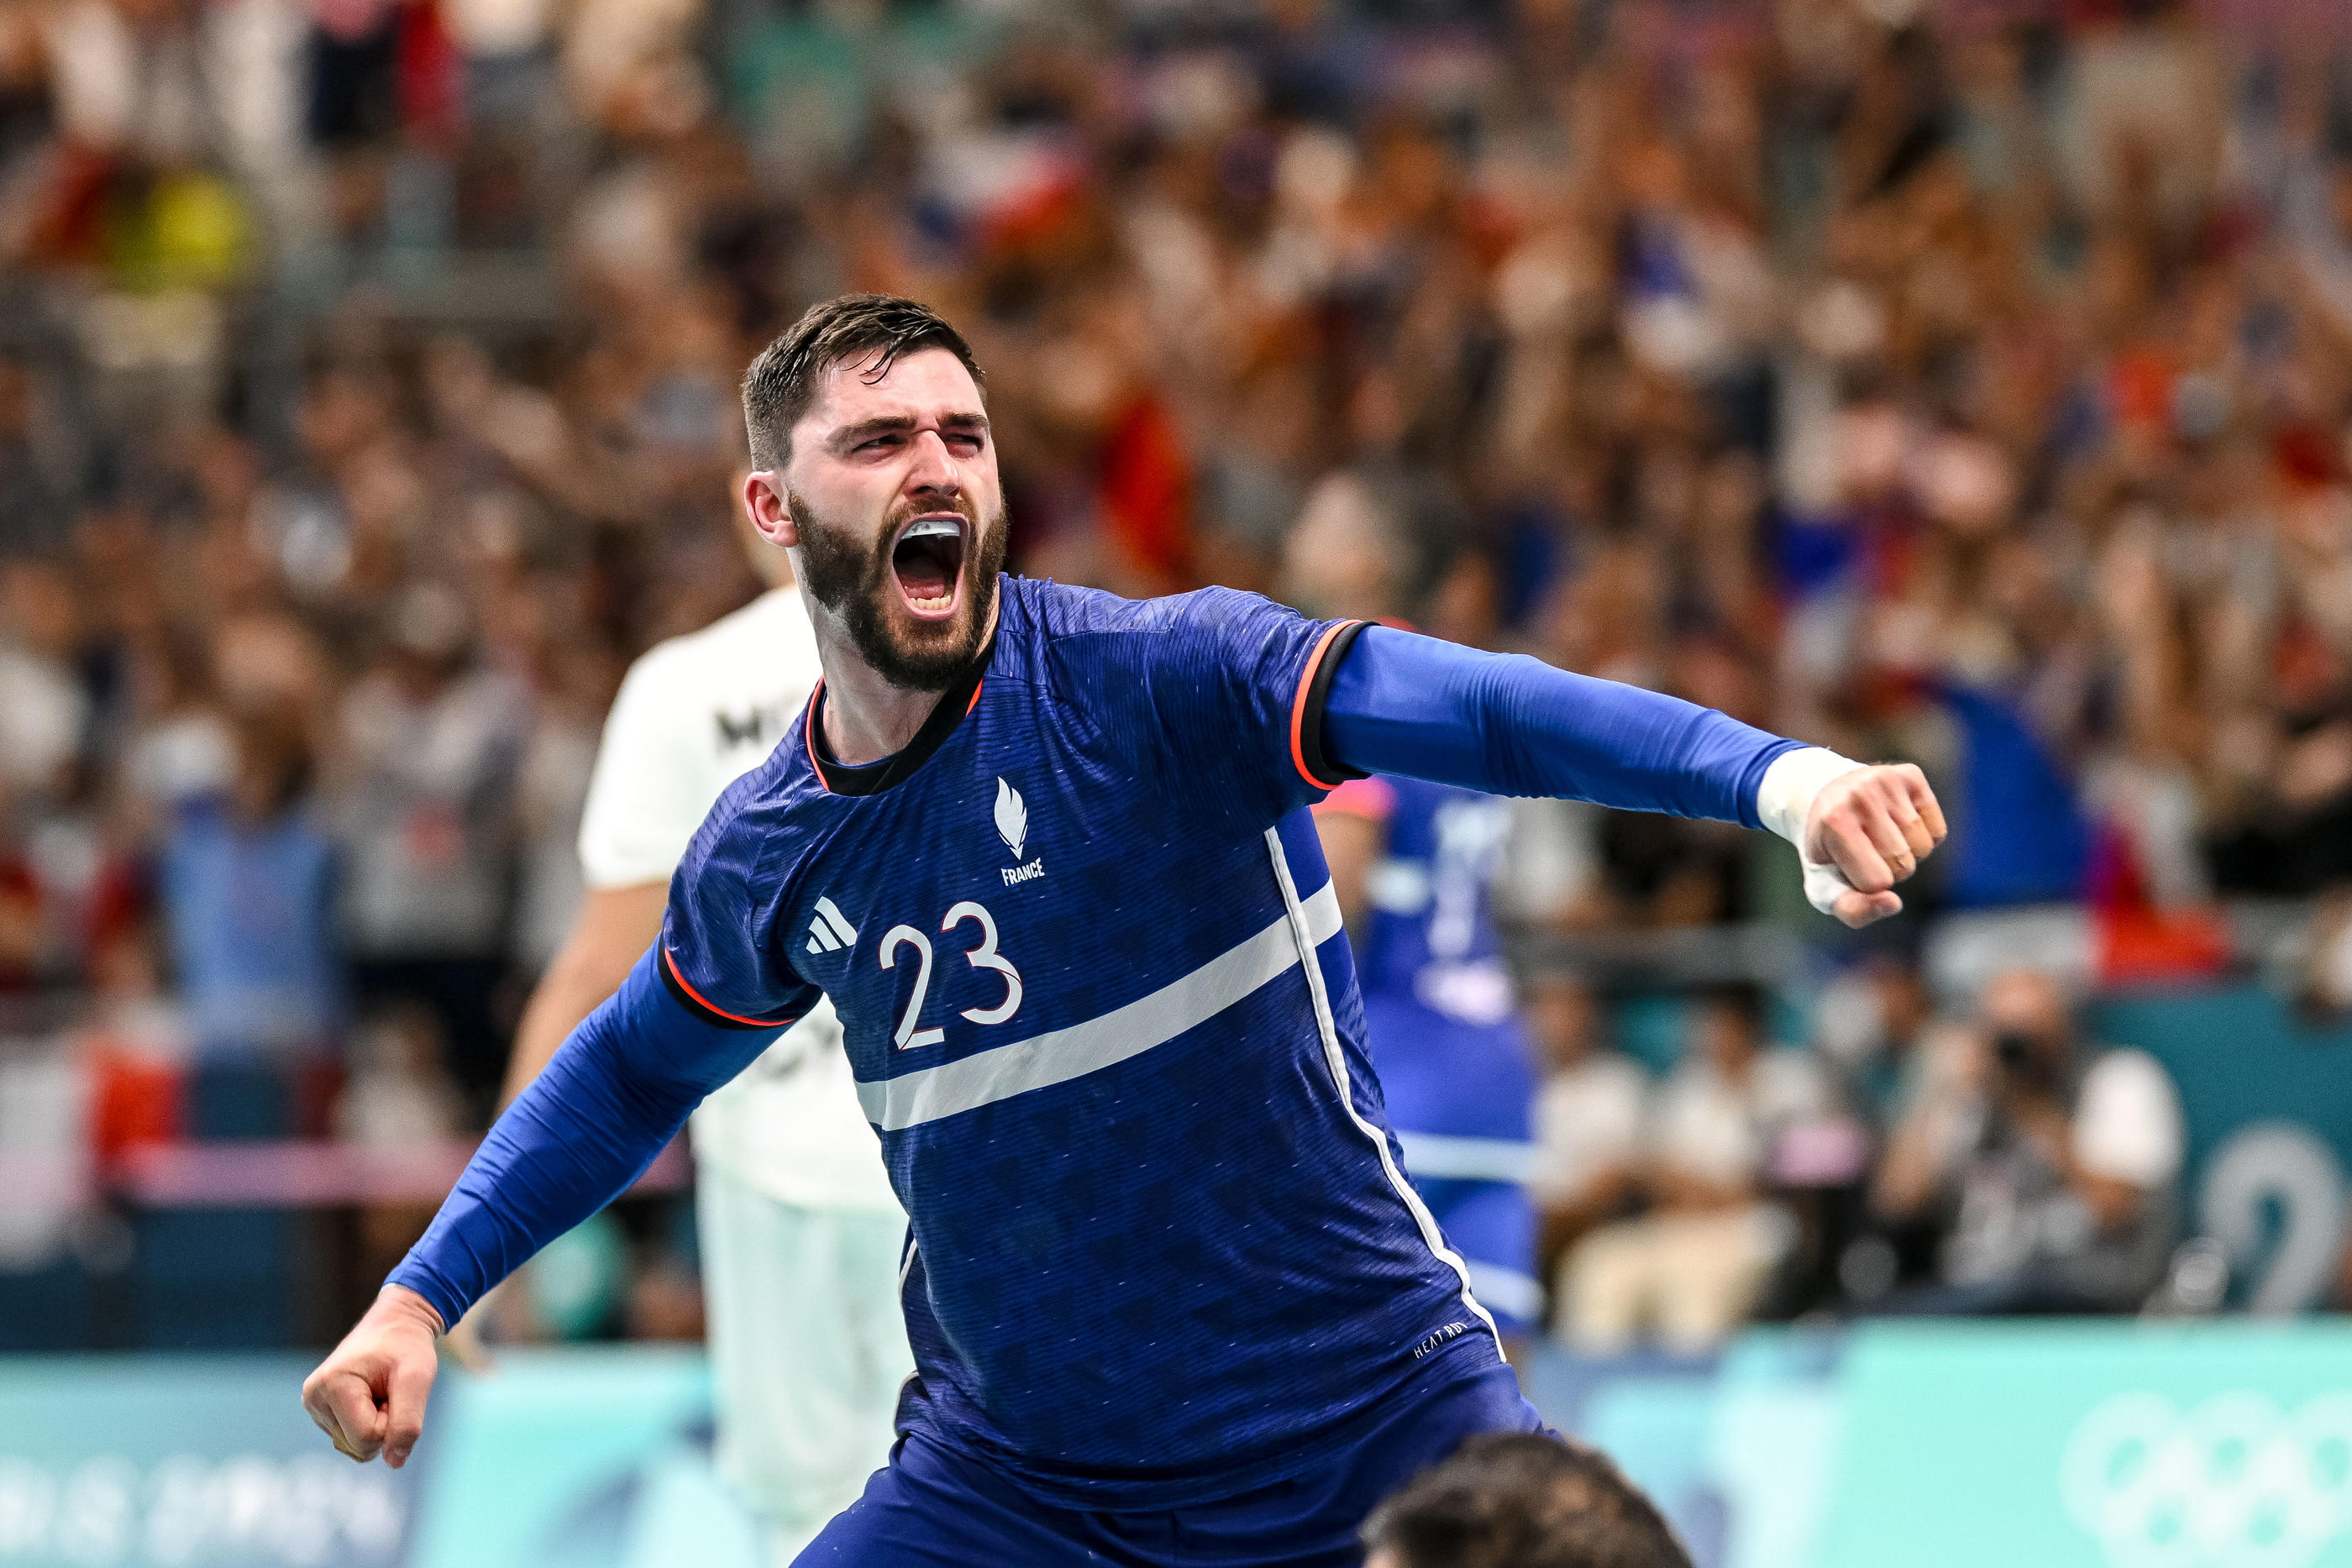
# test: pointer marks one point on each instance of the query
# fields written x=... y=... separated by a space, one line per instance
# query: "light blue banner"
x=2077 y=1445
x=184 y=1462
x=2095 y=1445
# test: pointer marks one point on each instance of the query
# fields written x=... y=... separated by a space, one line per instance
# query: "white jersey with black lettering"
x=694 y=714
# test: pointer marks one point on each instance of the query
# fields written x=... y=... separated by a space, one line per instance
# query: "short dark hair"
x=783 y=381
x=1524 y=1500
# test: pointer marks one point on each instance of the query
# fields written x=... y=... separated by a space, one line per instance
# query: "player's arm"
x=611 y=1099
x=1509 y=725
x=612 y=931
x=612 y=926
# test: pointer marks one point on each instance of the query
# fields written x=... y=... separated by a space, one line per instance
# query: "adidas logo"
x=828 y=932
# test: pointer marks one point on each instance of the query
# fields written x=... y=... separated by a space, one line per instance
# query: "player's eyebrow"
x=849 y=435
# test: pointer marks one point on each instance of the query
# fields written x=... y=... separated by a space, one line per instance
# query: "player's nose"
x=934 y=467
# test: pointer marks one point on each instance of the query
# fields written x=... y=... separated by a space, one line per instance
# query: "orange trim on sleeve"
x=1298 y=706
x=670 y=963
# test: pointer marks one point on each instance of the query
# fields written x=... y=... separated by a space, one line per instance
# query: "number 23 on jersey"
x=911 y=1032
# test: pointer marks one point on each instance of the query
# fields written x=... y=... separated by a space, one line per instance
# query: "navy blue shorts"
x=936 y=1507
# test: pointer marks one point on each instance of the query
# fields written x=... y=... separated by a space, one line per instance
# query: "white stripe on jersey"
x=1438 y=1156
x=1304 y=934
x=986 y=1077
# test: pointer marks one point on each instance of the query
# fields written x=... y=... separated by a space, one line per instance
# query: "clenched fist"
x=1858 y=829
x=369 y=1396
x=1868 y=829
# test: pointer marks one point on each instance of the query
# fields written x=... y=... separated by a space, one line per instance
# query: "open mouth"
x=927 y=561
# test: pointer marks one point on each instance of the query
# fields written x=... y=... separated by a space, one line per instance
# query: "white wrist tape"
x=1784 y=801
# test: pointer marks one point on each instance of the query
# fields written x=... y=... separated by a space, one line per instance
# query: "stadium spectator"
x=1868 y=1026
x=2324 y=987
x=430 y=744
x=398 y=1094
x=1589 y=1113
x=2052 y=1164
x=1690 y=1269
x=44 y=706
x=1521 y=1501
x=25 y=929
x=247 y=893
x=550 y=791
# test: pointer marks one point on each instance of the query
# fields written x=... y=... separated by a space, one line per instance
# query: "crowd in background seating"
x=1969 y=384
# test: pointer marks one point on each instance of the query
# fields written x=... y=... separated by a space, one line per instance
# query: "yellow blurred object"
x=186 y=230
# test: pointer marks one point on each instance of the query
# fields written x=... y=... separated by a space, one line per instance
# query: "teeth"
x=931 y=528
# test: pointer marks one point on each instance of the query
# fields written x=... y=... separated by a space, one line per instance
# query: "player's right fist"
x=369 y=1396
x=1871 y=826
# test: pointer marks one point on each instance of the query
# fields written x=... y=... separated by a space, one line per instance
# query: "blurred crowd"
x=1966 y=383
x=1907 y=1162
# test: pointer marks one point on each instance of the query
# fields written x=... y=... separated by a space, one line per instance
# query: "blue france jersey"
x=1093 y=986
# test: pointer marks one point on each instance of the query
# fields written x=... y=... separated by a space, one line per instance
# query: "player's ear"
x=771 y=512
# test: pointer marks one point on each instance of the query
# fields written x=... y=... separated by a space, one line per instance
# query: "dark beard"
x=852 y=580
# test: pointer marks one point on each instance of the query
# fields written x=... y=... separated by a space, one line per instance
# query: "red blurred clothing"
x=1146 y=492
x=134 y=1097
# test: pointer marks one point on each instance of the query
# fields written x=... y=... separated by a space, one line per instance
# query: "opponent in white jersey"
x=800 y=1231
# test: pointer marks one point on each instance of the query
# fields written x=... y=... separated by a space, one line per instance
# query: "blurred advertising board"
x=2267 y=1094
x=578 y=1459
x=175 y=1462
x=559 y=1459
x=2221 y=1446
x=2058 y=1445
x=1737 y=1449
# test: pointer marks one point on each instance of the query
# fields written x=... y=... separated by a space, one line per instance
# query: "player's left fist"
x=1869 y=829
